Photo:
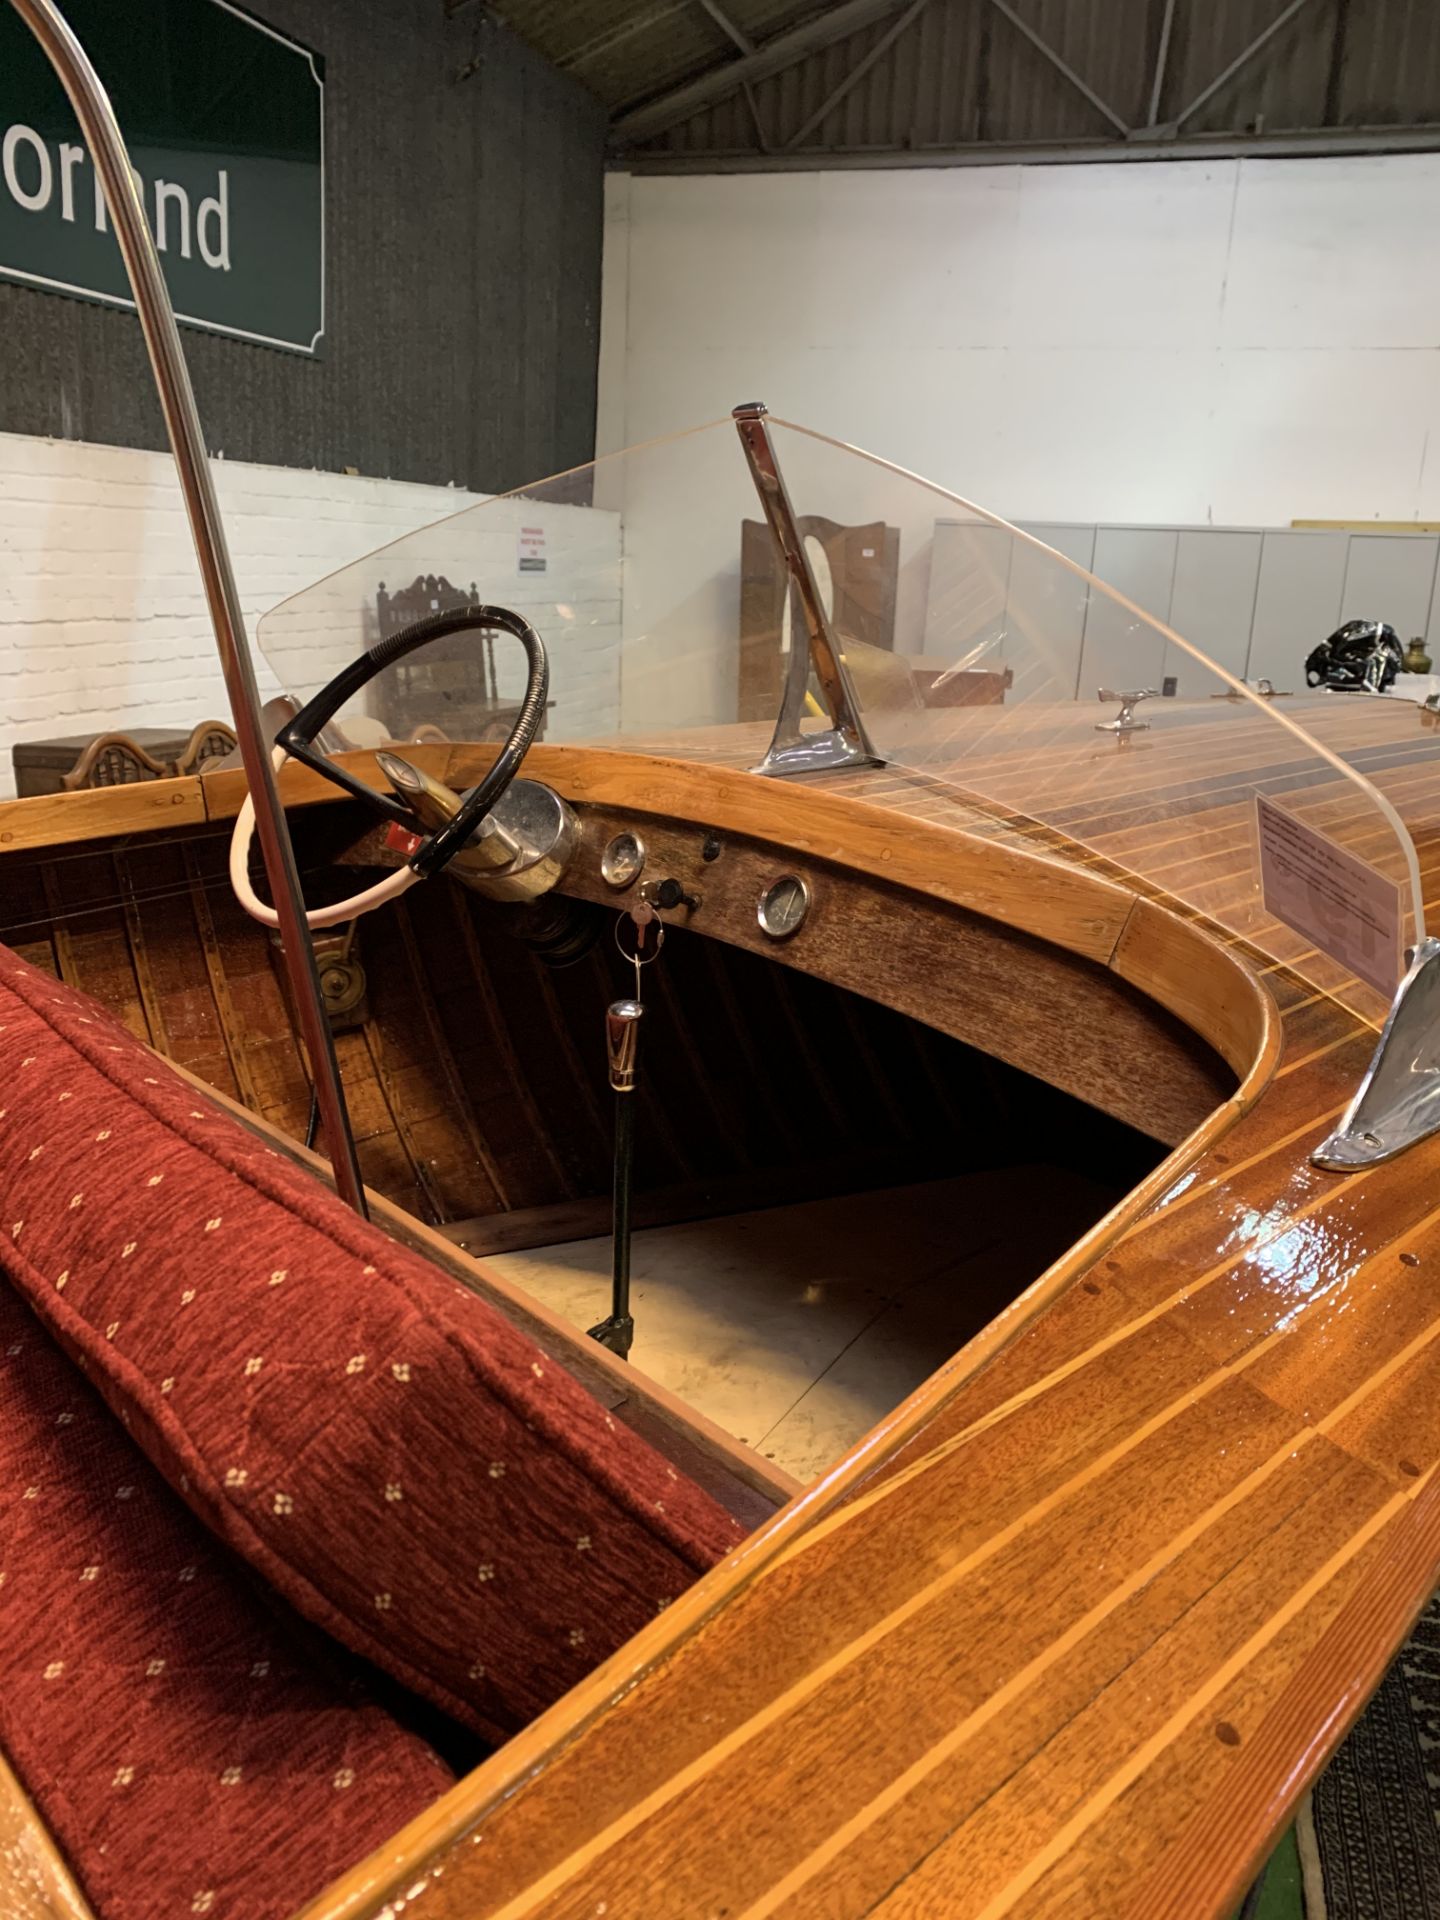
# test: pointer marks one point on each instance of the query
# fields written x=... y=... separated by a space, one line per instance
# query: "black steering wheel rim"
x=297 y=736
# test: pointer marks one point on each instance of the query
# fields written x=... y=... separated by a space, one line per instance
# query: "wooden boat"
x=1071 y=1629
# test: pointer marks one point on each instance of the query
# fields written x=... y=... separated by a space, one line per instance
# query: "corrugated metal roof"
x=961 y=73
x=626 y=53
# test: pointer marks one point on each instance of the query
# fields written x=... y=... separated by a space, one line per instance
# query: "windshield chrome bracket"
x=1125 y=721
x=844 y=743
x=1398 y=1101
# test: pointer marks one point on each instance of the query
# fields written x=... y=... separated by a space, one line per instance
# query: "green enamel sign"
x=225 y=122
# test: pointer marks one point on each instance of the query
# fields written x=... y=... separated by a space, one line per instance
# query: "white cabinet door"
x=1297 y=603
x=1213 y=604
x=1390 y=576
x=1119 y=650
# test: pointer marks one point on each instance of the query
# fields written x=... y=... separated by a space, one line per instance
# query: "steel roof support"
x=726 y=25
x=858 y=72
x=1260 y=41
x=1043 y=46
x=1162 y=60
x=836 y=23
x=1300 y=143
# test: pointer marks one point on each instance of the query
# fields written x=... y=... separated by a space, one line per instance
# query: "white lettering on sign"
x=530 y=550
x=33 y=199
x=29 y=174
x=1330 y=896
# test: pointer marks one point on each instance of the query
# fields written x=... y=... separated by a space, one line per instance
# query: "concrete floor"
x=796 y=1328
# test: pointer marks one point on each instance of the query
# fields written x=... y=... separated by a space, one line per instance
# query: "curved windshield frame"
x=975 y=652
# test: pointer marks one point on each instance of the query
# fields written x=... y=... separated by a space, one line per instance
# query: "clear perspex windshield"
x=991 y=672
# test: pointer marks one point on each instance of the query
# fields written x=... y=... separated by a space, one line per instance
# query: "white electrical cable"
x=389 y=888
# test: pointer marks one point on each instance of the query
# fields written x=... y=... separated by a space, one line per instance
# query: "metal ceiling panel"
x=963 y=75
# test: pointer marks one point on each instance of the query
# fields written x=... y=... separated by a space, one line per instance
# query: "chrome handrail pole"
x=177 y=400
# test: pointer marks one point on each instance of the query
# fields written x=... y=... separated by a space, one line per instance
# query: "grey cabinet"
x=1119 y=650
x=1302 y=576
x=1046 y=612
x=1212 y=605
x=1390 y=576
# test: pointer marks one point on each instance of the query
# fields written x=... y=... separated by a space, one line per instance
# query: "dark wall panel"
x=463 y=230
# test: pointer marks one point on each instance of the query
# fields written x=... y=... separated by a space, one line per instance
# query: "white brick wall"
x=102 y=618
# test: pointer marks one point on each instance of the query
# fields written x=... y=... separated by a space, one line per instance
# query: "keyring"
x=639 y=958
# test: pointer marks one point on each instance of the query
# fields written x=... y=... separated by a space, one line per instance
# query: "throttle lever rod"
x=622 y=1047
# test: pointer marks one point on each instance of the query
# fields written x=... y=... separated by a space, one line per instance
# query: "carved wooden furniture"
x=212 y=741
x=450 y=690
x=117 y=758
x=863 y=565
x=939 y=685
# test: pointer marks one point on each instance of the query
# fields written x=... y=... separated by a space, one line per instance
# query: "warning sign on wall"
x=531 y=555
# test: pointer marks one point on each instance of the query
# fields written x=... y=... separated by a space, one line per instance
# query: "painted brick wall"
x=102 y=618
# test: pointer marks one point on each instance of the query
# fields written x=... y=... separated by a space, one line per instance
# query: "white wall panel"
x=1115 y=256
x=1213 y=343
x=1317 y=257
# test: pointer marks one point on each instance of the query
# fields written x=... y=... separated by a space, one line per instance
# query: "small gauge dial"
x=623 y=860
x=783 y=906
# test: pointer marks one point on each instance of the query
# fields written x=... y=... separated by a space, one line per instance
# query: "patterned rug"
x=1370 y=1833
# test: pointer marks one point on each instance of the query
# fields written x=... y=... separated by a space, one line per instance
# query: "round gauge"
x=783 y=906
x=623 y=860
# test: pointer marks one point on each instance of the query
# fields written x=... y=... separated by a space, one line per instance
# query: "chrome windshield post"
x=177 y=400
x=1398 y=1101
x=844 y=743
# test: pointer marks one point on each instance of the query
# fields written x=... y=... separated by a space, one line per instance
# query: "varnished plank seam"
x=1165 y=1209
x=796 y=1695
x=1151 y=1749
x=899 y=1789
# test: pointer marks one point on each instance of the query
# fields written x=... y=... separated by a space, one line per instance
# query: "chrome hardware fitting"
x=845 y=742
x=623 y=861
x=1398 y=1101
x=1125 y=721
x=187 y=445
x=622 y=1042
x=783 y=907
x=518 y=851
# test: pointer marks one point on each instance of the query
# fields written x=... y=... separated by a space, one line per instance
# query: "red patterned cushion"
x=411 y=1472
x=193 y=1747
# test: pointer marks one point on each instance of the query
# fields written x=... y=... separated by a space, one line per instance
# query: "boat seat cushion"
x=191 y=1746
x=409 y=1470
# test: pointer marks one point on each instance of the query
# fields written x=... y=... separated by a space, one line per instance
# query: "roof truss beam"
x=835 y=23
x=1062 y=67
x=1257 y=45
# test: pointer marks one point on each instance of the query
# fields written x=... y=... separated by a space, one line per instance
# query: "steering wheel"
x=296 y=740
